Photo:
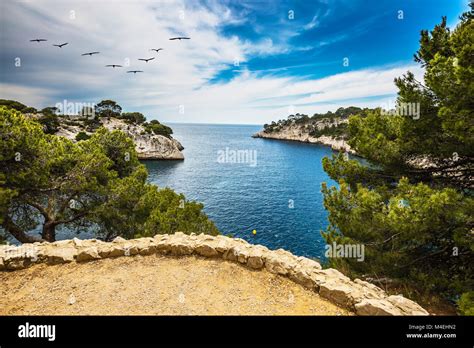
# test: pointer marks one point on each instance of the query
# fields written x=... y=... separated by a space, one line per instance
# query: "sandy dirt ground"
x=155 y=285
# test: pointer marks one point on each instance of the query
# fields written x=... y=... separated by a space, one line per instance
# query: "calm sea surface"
x=277 y=191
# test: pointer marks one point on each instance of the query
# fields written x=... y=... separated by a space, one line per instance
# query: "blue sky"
x=246 y=62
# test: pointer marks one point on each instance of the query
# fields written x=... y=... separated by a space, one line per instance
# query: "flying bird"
x=89 y=53
x=134 y=71
x=145 y=59
x=38 y=40
x=61 y=45
x=157 y=49
x=180 y=38
x=113 y=66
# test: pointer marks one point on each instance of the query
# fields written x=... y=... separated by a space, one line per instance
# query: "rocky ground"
x=155 y=285
x=69 y=260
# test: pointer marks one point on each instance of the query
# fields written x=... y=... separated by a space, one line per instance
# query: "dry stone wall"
x=357 y=295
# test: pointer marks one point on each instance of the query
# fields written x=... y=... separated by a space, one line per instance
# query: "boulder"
x=280 y=262
x=255 y=262
x=124 y=247
x=376 y=307
x=304 y=273
x=87 y=254
x=206 y=250
x=308 y=264
x=130 y=249
x=77 y=242
x=338 y=292
x=408 y=307
x=16 y=263
x=119 y=240
x=160 y=237
x=256 y=256
x=145 y=246
x=211 y=246
x=326 y=275
x=238 y=253
x=19 y=257
x=340 y=289
x=179 y=244
x=230 y=255
x=303 y=276
x=7 y=249
x=205 y=245
x=57 y=255
x=163 y=247
x=223 y=244
x=369 y=290
x=112 y=250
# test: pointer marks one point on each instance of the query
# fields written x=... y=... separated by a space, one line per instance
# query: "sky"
x=247 y=62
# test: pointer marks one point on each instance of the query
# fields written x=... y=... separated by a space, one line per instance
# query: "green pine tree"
x=48 y=182
x=415 y=219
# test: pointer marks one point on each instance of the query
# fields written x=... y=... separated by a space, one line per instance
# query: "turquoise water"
x=276 y=189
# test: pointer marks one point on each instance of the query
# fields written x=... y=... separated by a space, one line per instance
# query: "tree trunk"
x=17 y=232
x=49 y=231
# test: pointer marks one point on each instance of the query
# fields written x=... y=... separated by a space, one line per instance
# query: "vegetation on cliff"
x=415 y=220
x=333 y=124
x=157 y=128
x=89 y=119
x=50 y=182
x=13 y=104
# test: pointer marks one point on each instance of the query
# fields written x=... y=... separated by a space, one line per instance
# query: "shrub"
x=82 y=136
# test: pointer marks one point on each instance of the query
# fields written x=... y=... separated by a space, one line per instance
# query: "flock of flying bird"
x=146 y=60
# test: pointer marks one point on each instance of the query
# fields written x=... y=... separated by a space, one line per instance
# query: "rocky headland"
x=329 y=129
x=302 y=133
x=149 y=146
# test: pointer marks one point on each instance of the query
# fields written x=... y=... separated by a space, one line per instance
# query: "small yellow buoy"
x=254 y=232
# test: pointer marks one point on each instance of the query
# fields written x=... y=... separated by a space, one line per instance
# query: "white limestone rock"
x=148 y=146
x=57 y=255
x=376 y=307
x=294 y=132
x=407 y=306
x=87 y=254
x=280 y=262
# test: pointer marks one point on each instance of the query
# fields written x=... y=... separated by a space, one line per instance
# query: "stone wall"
x=359 y=296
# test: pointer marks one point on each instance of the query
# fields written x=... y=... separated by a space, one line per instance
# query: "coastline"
x=148 y=146
x=335 y=144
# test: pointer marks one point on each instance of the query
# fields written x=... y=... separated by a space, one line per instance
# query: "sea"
x=262 y=190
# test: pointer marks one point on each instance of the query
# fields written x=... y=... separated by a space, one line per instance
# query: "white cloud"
x=314 y=22
x=30 y=96
x=180 y=73
x=124 y=31
x=246 y=98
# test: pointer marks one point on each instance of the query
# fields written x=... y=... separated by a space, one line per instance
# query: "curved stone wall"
x=359 y=296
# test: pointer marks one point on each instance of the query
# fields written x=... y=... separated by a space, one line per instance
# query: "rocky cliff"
x=358 y=296
x=148 y=146
x=303 y=132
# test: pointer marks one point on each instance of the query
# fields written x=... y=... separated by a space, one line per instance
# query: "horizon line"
x=213 y=124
